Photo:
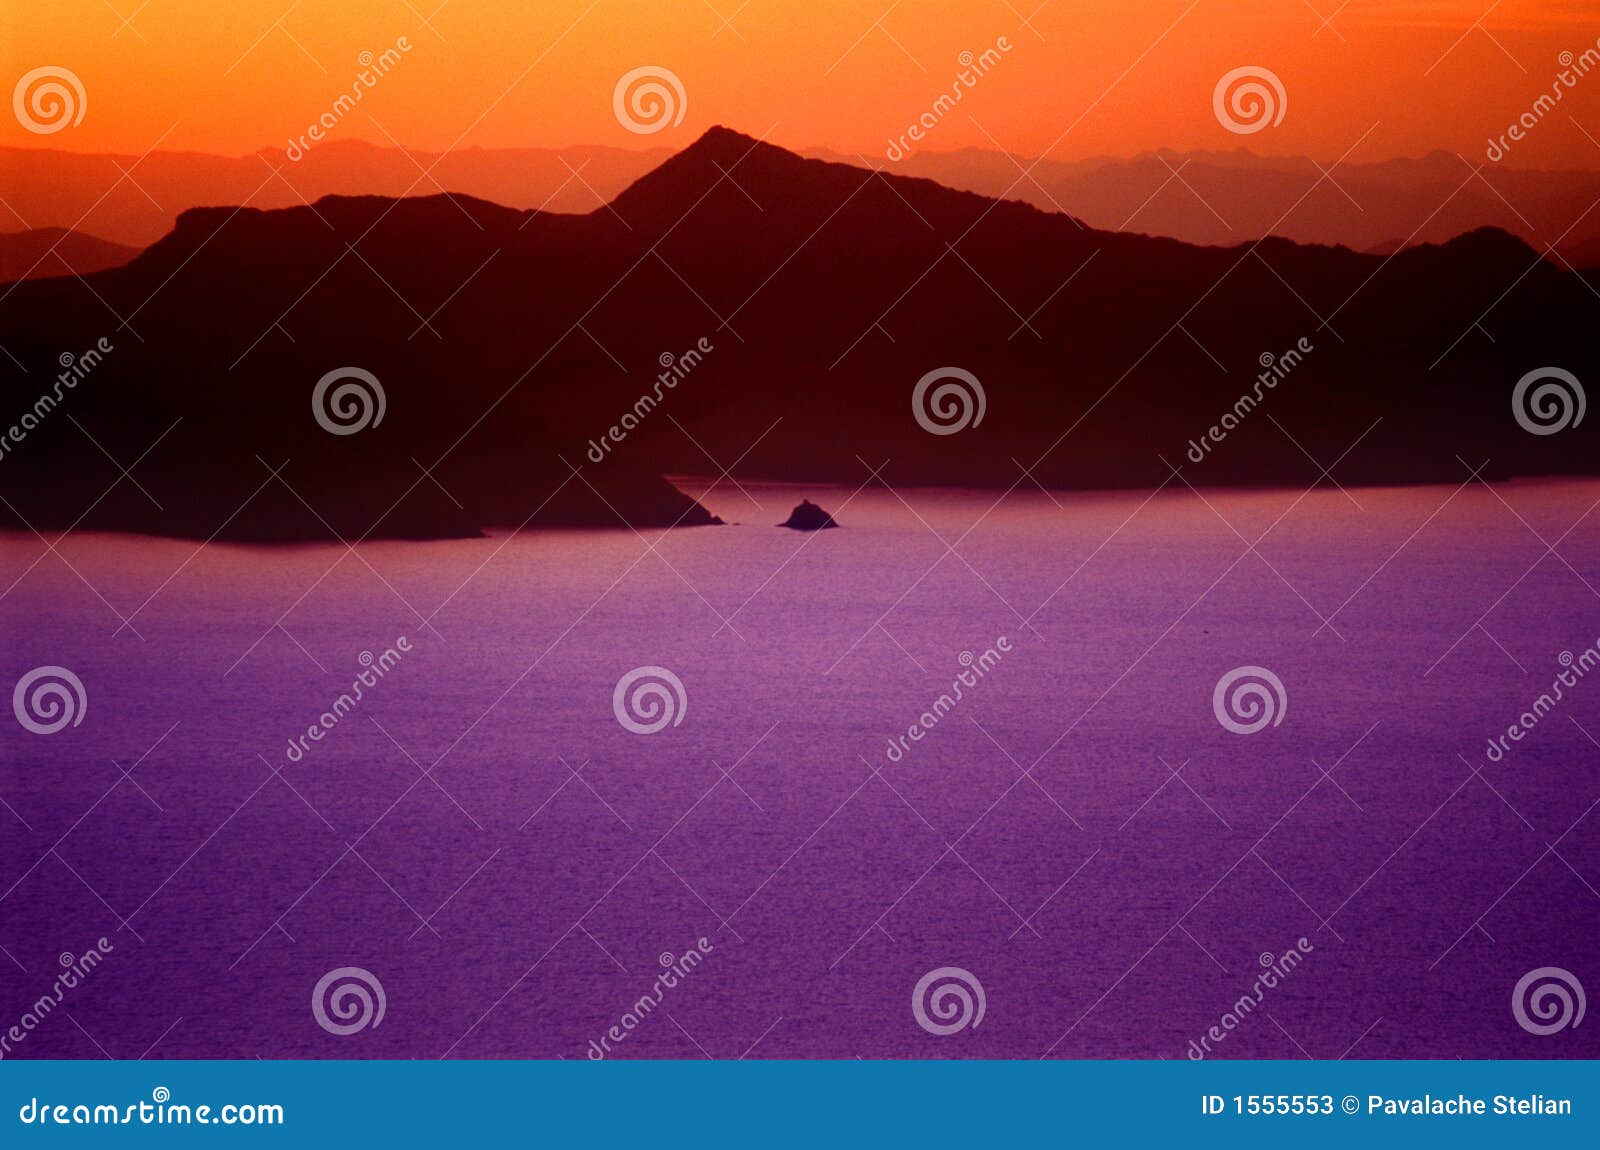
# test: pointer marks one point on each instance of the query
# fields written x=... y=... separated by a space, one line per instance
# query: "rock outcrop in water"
x=807 y=516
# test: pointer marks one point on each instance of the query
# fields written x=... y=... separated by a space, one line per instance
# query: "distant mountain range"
x=135 y=200
x=1200 y=197
x=43 y=252
x=794 y=305
x=1232 y=197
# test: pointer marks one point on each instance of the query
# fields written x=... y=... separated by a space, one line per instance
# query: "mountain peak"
x=721 y=139
x=719 y=154
x=726 y=147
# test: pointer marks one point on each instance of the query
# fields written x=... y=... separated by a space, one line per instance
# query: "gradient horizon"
x=1367 y=84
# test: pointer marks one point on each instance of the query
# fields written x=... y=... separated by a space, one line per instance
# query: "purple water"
x=1035 y=837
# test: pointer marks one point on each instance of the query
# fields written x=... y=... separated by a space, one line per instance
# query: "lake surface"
x=517 y=869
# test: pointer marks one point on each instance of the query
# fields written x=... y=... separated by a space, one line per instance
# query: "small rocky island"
x=807 y=516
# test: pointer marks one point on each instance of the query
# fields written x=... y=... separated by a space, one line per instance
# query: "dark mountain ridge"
x=507 y=342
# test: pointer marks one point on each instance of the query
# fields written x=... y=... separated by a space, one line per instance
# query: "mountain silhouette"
x=1204 y=197
x=741 y=306
x=91 y=192
x=1228 y=197
x=42 y=252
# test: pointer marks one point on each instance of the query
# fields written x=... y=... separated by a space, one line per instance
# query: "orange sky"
x=1091 y=77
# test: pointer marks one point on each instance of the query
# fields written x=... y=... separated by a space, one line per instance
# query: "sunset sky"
x=1084 y=78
